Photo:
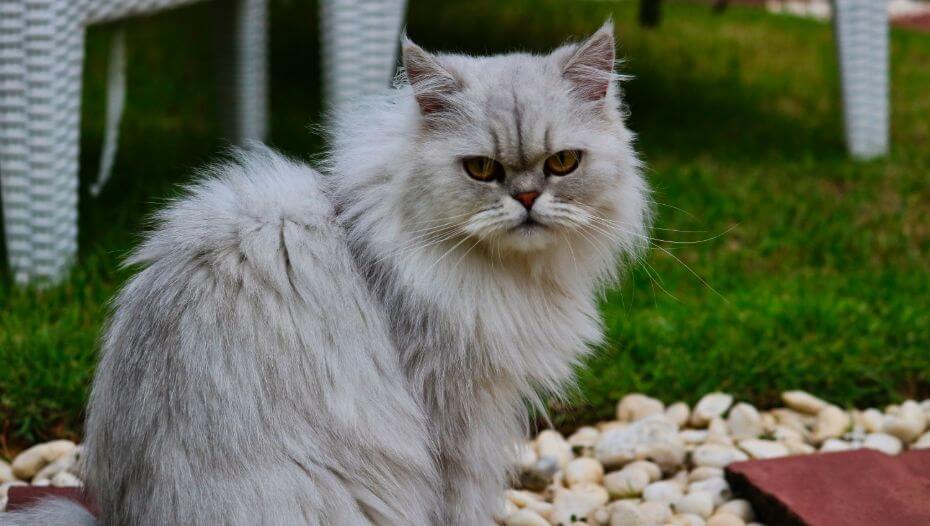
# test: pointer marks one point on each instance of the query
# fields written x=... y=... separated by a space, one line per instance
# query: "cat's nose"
x=526 y=198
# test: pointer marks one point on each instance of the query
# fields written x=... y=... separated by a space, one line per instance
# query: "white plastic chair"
x=861 y=28
x=41 y=62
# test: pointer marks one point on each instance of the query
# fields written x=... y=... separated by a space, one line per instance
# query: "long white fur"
x=359 y=348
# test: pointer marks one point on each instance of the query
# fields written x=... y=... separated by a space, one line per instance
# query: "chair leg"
x=861 y=28
x=41 y=59
x=359 y=39
x=243 y=75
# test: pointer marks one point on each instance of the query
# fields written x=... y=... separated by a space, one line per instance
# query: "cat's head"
x=522 y=152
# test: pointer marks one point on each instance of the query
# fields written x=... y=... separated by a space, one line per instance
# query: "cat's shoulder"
x=241 y=202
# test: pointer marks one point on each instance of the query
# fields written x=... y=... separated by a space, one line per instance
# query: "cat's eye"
x=562 y=163
x=483 y=168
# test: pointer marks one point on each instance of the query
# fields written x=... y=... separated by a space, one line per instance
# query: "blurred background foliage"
x=821 y=279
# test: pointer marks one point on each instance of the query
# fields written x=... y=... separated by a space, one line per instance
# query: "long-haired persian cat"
x=358 y=348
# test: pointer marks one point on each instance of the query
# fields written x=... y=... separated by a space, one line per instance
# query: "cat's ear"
x=432 y=84
x=591 y=66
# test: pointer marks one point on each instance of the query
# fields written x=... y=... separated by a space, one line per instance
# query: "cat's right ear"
x=432 y=84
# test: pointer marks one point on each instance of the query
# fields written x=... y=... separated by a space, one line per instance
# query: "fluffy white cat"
x=358 y=348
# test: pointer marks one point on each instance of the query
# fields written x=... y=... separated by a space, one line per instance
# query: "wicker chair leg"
x=359 y=39
x=41 y=57
x=243 y=71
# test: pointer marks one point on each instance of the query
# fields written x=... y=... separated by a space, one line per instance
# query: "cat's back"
x=246 y=375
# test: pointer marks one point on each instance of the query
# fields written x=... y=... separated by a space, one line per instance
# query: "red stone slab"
x=25 y=496
x=851 y=488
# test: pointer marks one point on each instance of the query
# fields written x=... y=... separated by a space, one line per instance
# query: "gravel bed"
x=654 y=465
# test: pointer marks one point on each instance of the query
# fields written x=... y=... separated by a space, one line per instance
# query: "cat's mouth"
x=529 y=224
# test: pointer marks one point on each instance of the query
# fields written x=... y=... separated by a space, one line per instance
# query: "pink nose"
x=526 y=198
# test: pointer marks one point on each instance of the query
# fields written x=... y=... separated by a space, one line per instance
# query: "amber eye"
x=483 y=168
x=562 y=163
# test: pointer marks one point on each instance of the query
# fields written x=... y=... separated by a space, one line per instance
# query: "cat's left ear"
x=432 y=84
x=591 y=67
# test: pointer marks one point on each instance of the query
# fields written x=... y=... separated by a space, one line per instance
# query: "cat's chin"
x=529 y=236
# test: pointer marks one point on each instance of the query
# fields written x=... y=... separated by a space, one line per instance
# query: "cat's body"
x=383 y=347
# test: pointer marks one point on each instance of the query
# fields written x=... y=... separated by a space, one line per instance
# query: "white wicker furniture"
x=359 y=39
x=41 y=59
x=862 y=40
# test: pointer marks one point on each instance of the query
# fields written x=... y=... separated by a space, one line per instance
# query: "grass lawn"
x=822 y=280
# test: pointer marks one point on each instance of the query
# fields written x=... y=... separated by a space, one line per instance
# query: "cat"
x=358 y=347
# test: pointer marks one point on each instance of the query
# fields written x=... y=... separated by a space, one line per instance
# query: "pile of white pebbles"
x=658 y=465
x=653 y=465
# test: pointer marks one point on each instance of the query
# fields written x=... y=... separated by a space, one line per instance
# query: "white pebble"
x=553 y=445
x=662 y=491
x=623 y=513
x=832 y=422
x=66 y=480
x=710 y=406
x=908 y=423
x=29 y=462
x=883 y=442
x=744 y=421
x=6 y=472
x=835 y=444
x=577 y=502
x=803 y=401
x=923 y=442
x=687 y=519
x=693 y=436
x=628 y=482
x=739 y=507
x=636 y=406
x=715 y=455
x=585 y=437
x=716 y=487
x=651 y=468
x=872 y=420
x=525 y=517
x=725 y=519
x=679 y=412
x=582 y=471
x=699 y=503
x=704 y=473
x=762 y=449
x=656 y=512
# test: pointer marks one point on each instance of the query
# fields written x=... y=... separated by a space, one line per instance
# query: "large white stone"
x=710 y=406
x=725 y=519
x=586 y=437
x=576 y=503
x=704 y=473
x=687 y=519
x=908 y=423
x=650 y=437
x=582 y=471
x=716 y=487
x=525 y=517
x=883 y=442
x=760 y=449
x=29 y=462
x=744 y=421
x=662 y=491
x=552 y=444
x=626 y=483
x=739 y=507
x=624 y=513
x=717 y=456
x=651 y=468
x=699 y=503
x=803 y=402
x=679 y=412
x=832 y=422
x=835 y=444
x=923 y=442
x=6 y=472
x=636 y=406
x=656 y=512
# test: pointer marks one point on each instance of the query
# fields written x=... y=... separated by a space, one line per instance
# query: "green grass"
x=823 y=281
